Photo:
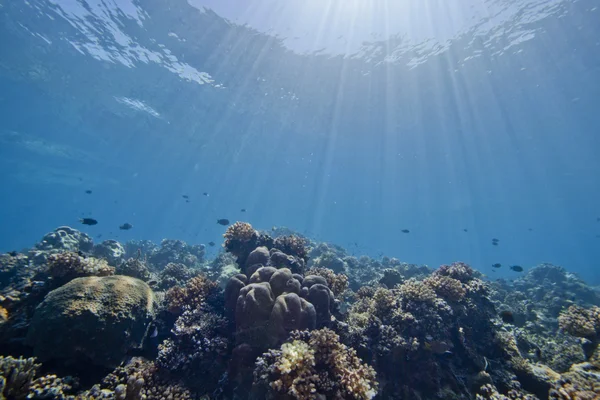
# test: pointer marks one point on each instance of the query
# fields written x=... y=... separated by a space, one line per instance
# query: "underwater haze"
x=420 y=130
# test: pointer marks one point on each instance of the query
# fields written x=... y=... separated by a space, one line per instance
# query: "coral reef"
x=282 y=316
x=176 y=251
x=315 y=365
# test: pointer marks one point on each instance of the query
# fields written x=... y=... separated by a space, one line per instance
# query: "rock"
x=92 y=319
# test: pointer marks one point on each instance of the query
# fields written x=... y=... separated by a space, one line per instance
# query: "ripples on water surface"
x=347 y=121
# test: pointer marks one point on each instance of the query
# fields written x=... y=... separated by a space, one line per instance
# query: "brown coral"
x=446 y=287
x=191 y=295
x=338 y=283
x=292 y=245
x=69 y=265
x=458 y=270
x=416 y=291
x=581 y=322
x=238 y=234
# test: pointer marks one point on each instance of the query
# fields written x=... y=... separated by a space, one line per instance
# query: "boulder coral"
x=274 y=302
x=98 y=319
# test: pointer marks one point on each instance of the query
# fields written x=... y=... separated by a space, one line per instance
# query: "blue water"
x=347 y=121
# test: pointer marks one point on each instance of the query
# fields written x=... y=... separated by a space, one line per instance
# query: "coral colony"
x=278 y=316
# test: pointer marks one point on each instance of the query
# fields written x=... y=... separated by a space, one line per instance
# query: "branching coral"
x=338 y=283
x=315 y=365
x=238 y=236
x=292 y=245
x=458 y=270
x=416 y=291
x=69 y=265
x=16 y=376
x=18 y=381
x=446 y=287
x=198 y=347
x=193 y=294
x=174 y=274
x=138 y=380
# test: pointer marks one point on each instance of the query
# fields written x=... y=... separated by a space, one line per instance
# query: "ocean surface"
x=346 y=121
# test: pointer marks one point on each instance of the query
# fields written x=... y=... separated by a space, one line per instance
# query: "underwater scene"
x=300 y=199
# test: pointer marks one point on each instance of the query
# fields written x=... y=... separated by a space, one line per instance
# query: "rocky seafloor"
x=278 y=316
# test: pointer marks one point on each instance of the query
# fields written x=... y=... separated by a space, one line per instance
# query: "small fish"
x=152 y=283
x=13 y=253
x=126 y=226
x=99 y=235
x=497 y=265
x=243 y=210
x=494 y=243
x=598 y=219
x=507 y=317
x=185 y=196
x=223 y=221
x=88 y=221
x=187 y=201
x=154 y=332
x=211 y=244
x=273 y=229
x=465 y=230
x=516 y=268
x=205 y=193
x=530 y=229
x=495 y=240
x=88 y=191
x=405 y=231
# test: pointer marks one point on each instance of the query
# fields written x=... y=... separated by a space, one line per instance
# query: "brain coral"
x=93 y=318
